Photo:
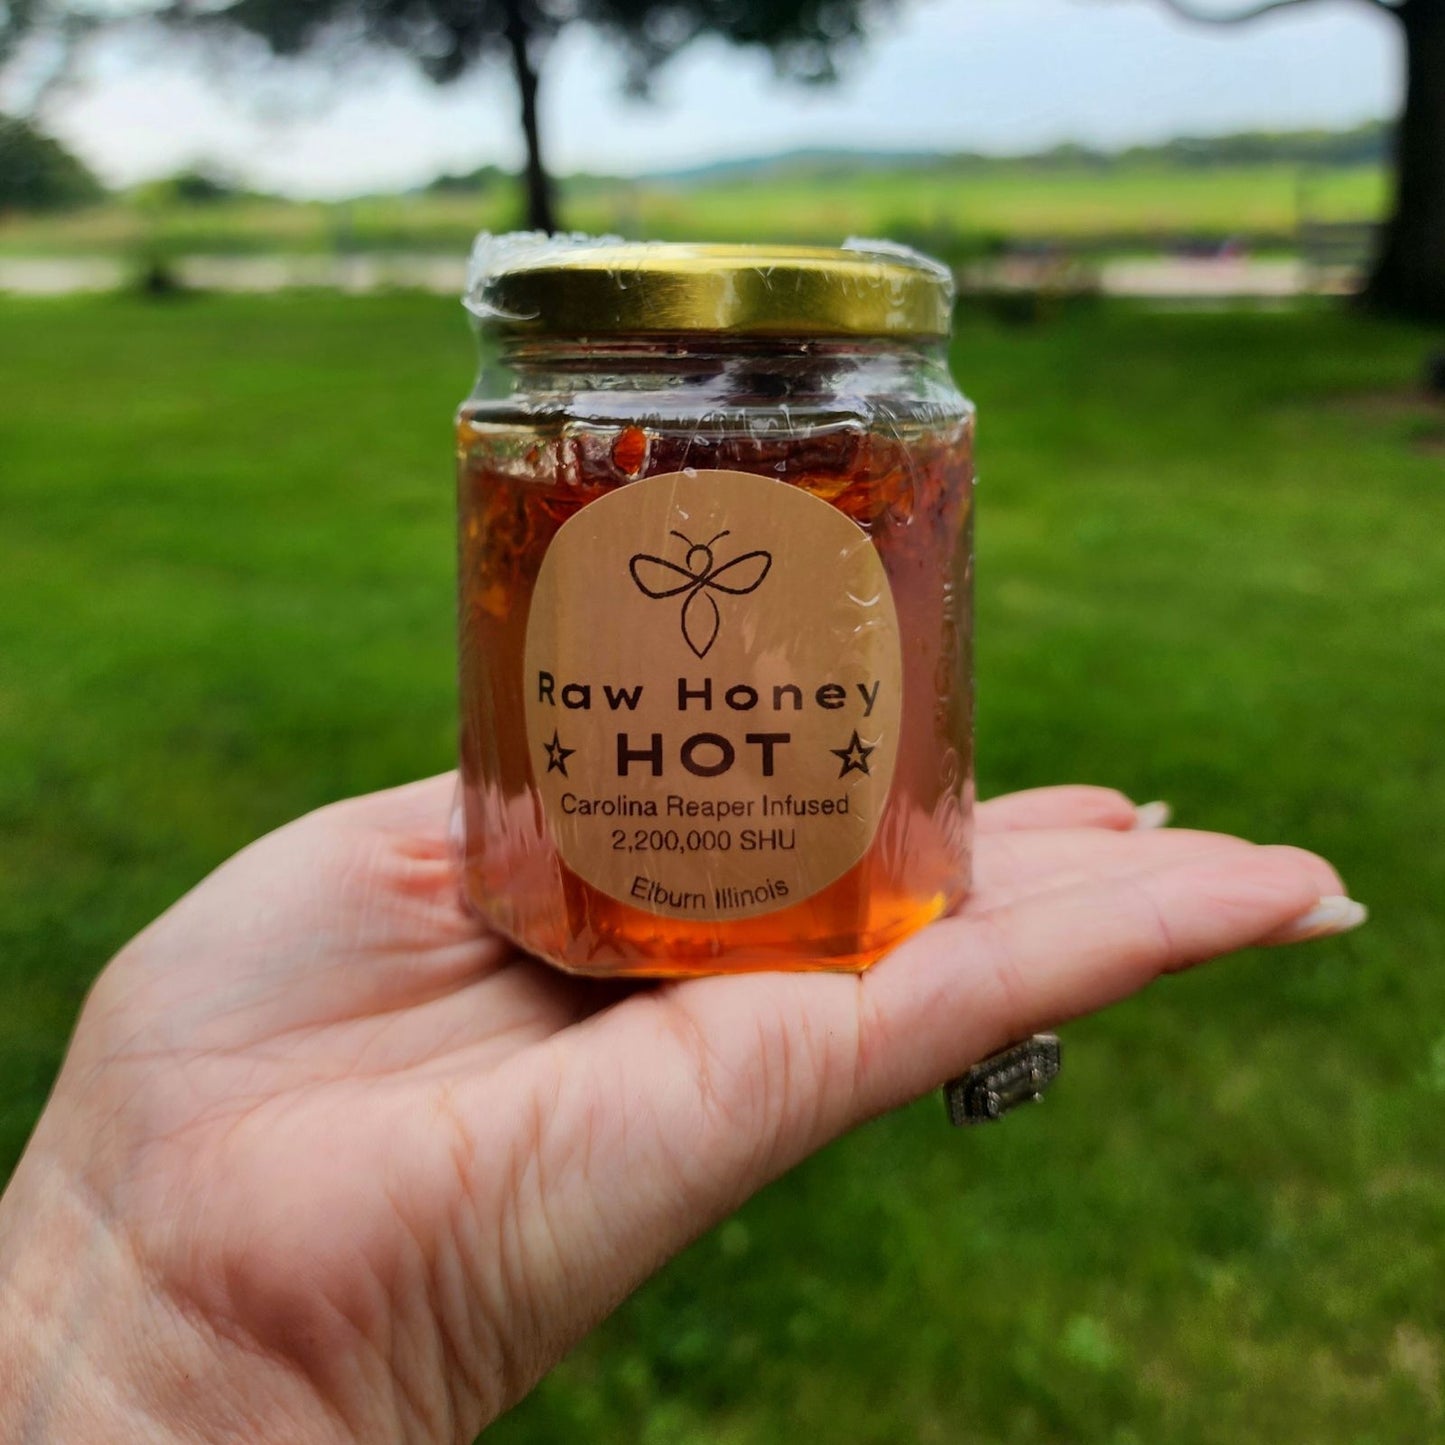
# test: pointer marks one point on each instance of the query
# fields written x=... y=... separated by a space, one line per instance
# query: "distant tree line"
x=37 y=173
x=1362 y=145
x=198 y=185
x=473 y=182
x=1369 y=144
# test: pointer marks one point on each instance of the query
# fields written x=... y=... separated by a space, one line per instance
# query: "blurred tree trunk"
x=1408 y=278
x=541 y=212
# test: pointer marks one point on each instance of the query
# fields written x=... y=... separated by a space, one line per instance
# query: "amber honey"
x=715 y=613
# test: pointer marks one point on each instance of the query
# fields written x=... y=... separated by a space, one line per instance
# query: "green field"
x=1119 y=204
x=1211 y=554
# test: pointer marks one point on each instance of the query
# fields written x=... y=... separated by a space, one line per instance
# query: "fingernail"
x=1332 y=915
x=1152 y=815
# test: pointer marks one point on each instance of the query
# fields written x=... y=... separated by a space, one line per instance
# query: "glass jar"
x=715 y=605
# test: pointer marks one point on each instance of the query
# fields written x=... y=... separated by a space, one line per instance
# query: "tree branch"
x=1186 y=11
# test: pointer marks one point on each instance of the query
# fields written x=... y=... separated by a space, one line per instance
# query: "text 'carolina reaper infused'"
x=715 y=571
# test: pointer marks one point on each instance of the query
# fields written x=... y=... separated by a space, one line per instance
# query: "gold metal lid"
x=583 y=286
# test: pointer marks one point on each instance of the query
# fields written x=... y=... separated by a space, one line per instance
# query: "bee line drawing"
x=696 y=581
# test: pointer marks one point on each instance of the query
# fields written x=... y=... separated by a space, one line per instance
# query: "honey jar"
x=715 y=568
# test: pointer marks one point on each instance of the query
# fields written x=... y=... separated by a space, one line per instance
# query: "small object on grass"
x=992 y=1087
x=1435 y=374
x=156 y=279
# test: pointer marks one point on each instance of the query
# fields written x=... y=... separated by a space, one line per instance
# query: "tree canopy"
x=37 y=173
x=449 y=38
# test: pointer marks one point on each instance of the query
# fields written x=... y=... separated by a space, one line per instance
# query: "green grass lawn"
x=1139 y=200
x=1211 y=561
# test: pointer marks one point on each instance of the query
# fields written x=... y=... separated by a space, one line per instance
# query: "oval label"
x=713 y=693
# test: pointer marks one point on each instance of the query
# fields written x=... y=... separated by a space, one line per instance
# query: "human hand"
x=327 y=1162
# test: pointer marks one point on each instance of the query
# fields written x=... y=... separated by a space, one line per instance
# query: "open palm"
x=373 y=1172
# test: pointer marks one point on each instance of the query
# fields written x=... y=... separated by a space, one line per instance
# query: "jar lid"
x=589 y=286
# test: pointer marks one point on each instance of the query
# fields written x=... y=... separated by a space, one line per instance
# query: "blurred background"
x=1201 y=249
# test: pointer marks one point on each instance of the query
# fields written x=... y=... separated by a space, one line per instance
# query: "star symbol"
x=557 y=755
x=855 y=756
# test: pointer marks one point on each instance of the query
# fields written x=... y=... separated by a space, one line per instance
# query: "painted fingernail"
x=1332 y=915
x=1152 y=815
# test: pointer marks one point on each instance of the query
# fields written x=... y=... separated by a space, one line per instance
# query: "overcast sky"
x=993 y=75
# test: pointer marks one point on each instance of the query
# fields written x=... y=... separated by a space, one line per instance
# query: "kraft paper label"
x=713 y=692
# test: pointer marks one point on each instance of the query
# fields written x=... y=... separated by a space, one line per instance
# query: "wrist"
x=75 y=1326
x=90 y=1353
